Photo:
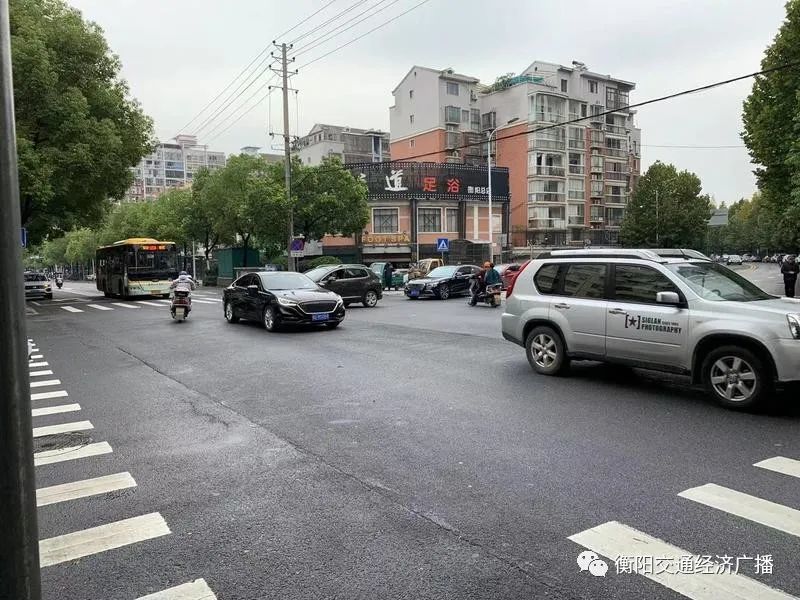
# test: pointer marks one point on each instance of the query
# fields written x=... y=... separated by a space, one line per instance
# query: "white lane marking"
x=48 y=457
x=45 y=383
x=71 y=309
x=148 y=303
x=37 y=356
x=746 y=506
x=164 y=301
x=781 y=464
x=36 y=303
x=202 y=301
x=99 y=307
x=124 y=305
x=40 y=373
x=84 y=488
x=38 y=364
x=62 y=428
x=614 y=539
x=54 y=410
x=99 y=539
x=196 y=590
x=48 y=395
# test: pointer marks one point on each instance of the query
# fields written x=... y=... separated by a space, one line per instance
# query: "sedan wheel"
x=270 y=319
x=444 y=291
x=230 y=316
x=370 y=299
x=736 y=377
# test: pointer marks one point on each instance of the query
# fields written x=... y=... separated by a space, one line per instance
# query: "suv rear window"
x=584 y=280
x=546 y=279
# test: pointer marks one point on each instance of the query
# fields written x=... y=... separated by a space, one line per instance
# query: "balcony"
x=576 y=195
x=615 y=152
x=576 y=144
x=597 y=141
x=596 y=218
x=596 y=168
x=546 y=197
x=576 y=170
x=616 y=99
x=546 y=144
x=576 y=220
x=616 y=198
x=488 y=121
x=452 y=140
x=617 y=175
x=547 y=223
x=613 y=222
x=452 y=115
x=539 y=116
x=615 y=129
x=550 y=171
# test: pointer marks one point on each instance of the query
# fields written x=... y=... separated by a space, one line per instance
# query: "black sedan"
x=442 y=282
x=279 y=298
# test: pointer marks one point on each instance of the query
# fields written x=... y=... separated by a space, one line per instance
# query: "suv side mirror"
x=252 y=290
x=667 y=298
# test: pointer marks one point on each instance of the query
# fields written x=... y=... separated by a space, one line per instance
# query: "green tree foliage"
x=751 y=228
x=78 y=131
x=667 y=209
x=205 y=214
x=81 y=246
x=772 y=131
x=54 y=251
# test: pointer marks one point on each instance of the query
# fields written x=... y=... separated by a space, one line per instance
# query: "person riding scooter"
x=182 y=287
x=487 y=277
x=59 y=281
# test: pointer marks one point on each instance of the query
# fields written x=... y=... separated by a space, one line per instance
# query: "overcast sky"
x=177 y=55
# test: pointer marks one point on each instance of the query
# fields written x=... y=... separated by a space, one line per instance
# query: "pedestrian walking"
x=790 y=268
x=388 y=271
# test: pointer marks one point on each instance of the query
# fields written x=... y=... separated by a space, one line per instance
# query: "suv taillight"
x=513 y=281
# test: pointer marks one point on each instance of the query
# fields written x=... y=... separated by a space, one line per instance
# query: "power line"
x=328 y=36
x=216 y=132
x=311 y=16
x=321 y=25
x=692 y=147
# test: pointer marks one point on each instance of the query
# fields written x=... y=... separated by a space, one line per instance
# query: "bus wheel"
x=107 y=294
x=165 y=296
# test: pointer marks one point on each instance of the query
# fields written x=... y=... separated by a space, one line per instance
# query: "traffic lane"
x=474 y=441
x=765 y=275
x=253 y=514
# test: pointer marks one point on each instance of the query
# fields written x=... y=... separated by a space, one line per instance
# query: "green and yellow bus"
x=136 y=267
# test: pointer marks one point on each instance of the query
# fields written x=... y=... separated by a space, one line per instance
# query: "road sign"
x=24 y=237
x=442 y=245
x=298 y=248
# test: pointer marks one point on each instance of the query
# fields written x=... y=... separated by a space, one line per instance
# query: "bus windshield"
x=151 y=263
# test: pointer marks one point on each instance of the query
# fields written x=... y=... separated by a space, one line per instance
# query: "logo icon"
x=589 y=561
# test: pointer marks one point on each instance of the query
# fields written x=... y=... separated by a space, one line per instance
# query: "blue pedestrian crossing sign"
x=442 y=245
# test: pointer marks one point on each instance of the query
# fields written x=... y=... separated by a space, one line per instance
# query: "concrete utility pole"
x=287 y=160
x=19 y=549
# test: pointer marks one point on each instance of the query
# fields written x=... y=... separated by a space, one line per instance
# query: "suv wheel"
x=736 y=377
x=370 y=298
x=545 y=350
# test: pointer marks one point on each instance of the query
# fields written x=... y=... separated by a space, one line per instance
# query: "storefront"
x=414 y=204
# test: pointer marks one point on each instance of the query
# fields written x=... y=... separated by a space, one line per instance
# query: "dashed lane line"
x=124 y=305
x=99 y=307
x=54 y=410
x=70 y=546
x=45 y=383
x=48 y=395
x=148 y=303
x=62 y=428
x=71 y=309
x=196 y=590
x=38 y=364
x=781 y=464
x=36 y=356
x=49 y=457
x=84 y=488
x=40 y=373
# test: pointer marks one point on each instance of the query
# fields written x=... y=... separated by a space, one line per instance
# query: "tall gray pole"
x=491 y=221
x=287 y=160
x=19 y=545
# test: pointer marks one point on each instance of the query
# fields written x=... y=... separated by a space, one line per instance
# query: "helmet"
x=183 y=274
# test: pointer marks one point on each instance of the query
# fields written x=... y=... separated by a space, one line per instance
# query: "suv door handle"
x=617 y=311
x=561 y=305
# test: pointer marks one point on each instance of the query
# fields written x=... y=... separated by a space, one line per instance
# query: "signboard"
x=384 y=239
x=24 y=237
x=442 y=245
x=298 y=248
x=432 y=180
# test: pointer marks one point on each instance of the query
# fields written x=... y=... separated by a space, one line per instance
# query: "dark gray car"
x=354 y=283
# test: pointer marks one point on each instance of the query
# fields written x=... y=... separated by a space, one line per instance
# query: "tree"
x=126 y=221
x=667 y=210
x=81 y=246
x=772 y=130
x=54 y=251
x=78 y=131
x=206 y=211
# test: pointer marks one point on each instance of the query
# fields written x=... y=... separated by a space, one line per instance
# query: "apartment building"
x=569 y=181
x=171 y=165
x=349 y=144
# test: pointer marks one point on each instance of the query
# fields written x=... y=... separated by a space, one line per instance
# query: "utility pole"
x=658 y=225
x=287 y=160
x=19 y=550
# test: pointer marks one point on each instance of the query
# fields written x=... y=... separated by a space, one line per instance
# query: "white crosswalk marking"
x=124 y=305
x=746 y=506
x=99 y=307
x=202 y=301
x=38 y=364
x=149 y=303
x=196 y=590
x=84 y=488
x=71 y=309
x=781 y=464
x=49 y=457
x=62 y=428
x=45 y=383
x=54 y=410
x=614 y=539
x=40 y=373
x=48 y=395
x=164 y=301
x=53 y=551
x=36 y=356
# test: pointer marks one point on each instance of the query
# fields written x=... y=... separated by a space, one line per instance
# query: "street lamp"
x=489 y=163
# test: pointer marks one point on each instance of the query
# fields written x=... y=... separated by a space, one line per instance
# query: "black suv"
x=354 y=283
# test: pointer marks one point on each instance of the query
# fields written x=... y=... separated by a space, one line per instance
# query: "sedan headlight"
x=286 y=302
x=794 y=325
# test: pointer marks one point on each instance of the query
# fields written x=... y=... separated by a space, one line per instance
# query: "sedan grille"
x=416 y=286
x=316 y=307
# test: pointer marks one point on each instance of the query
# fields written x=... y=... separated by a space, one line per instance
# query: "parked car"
x=632 y=307
x=734 y=259
x=280 y=298
x=423 y=267
x=442 y=282
x=37 y=285
x=91 y=277
x=354 y=283
x=507 y=272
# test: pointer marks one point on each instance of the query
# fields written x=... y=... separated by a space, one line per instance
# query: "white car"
x=734 y=259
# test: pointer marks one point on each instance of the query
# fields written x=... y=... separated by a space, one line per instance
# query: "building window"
x=464 y=116
x=451 y=218
x=411 y=119
x=475 y=120
x=583 y=110
x=592 y=87
x=430 y=220
x=385 y=220
x=564 y=85
x=411 y=94
x=452 y=89
x=452 y=114
x=410 y=143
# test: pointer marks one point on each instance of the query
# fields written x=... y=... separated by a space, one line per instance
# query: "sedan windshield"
x=714 y=282
x=442 y=272
x=287 y=281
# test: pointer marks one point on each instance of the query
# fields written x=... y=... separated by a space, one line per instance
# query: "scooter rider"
x=487 y=276
x=184 y=283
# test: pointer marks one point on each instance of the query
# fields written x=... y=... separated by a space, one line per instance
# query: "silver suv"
x=634 y=307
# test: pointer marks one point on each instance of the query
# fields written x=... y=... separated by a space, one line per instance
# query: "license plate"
x=413 y=293
x=319 y=317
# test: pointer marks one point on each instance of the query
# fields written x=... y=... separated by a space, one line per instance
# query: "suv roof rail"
x=680 y=253
x=640 y=254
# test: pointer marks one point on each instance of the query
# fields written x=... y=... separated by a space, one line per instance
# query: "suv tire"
x=370 y=299
x=736 y=377
x=545 y=350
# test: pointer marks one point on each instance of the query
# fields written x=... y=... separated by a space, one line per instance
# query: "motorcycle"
x=59 y=282
x=490 y=294
x=181 y=305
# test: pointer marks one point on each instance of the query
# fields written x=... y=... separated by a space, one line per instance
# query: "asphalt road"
x=411 y=453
